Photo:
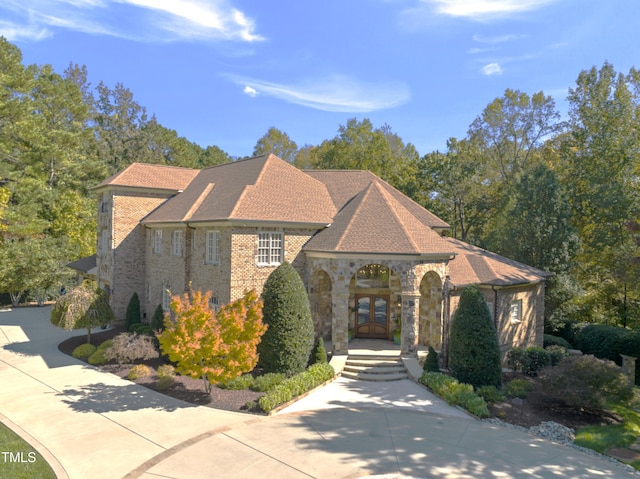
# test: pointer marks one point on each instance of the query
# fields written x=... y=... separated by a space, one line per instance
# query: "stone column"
x=410 y=323
x=446 y=319
x=340 y=323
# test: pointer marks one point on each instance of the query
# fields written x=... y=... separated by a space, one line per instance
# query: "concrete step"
x=372 y=363
x=375 y=370
x=374 y=377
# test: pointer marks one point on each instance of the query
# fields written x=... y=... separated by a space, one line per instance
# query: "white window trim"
x=212 y=247
x=157 y=241
x=178 y=246
x=515 y=311
x=270 y=248
x=166 y=297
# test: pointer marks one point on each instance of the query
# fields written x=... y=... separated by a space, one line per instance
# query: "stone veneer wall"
x=121 y=268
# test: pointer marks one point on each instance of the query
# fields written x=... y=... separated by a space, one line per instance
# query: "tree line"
x=558 y=194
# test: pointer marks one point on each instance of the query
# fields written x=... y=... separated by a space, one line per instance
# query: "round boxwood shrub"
x=83 y=351
x=551 y=340
x=139 y=371
x=287 y=344
x=474 y=352
x=97 y=358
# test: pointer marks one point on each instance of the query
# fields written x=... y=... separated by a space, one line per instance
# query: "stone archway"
x=320 y=287
x=430 y=319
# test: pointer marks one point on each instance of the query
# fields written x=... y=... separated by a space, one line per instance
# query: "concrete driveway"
x=92 y=424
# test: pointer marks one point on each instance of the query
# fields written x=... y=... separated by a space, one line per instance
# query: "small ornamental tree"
x=84 y=307
x=133 y=311
x=474 y=352
x=216 y=347
x=287 y=344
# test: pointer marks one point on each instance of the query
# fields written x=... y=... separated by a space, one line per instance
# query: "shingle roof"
x=375 y=221
x=343 y=185
x=144 y=175
x=85 y=265
x=263 y=188
x=473 y=265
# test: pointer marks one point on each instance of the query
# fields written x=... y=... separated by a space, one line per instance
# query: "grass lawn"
x=18 y=460
x=603 y=438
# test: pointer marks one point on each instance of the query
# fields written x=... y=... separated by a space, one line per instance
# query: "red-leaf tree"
x=218 y=346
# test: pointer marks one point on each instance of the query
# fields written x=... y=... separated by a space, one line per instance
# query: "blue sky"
x=222 y=72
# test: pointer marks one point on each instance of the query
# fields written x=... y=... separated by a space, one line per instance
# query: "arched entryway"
x=321 y=303
x=374 y=298
x=430 y=322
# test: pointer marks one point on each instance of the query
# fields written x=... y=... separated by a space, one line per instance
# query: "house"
x=371 y=258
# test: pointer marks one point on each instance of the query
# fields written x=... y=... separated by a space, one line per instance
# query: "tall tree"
x=276 y=142
x=601 y=162
x=510 y=129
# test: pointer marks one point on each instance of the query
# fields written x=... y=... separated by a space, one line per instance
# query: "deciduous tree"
x=214 y=346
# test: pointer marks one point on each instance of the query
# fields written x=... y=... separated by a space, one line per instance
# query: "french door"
x=372 y=316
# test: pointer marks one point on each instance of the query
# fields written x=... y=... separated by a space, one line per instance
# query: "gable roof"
x=343 y=185
x=473 y=265
x=375 y=221
x=264 y=188
x=146 y=175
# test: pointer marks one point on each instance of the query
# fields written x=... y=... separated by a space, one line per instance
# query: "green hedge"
x=455 y=393
x=296 y=385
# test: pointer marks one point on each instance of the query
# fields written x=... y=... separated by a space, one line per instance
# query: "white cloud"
x=16 y=32
x=337 y=93
x=140 y=20
x=481 y=9
x=492 y=69
x=249 y=91
x=495 y=40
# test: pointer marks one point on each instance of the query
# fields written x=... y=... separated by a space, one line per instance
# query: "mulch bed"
x=185 y=388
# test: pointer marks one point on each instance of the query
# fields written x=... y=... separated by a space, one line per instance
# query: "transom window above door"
x=372 y=276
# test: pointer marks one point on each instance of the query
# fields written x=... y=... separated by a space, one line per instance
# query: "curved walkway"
x=94 y=424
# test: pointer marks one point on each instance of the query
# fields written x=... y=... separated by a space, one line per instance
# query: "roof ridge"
x=198 y=202
x=360 y=197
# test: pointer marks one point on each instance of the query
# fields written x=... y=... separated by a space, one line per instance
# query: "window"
x=212 y=254
x=269 y=248
x=373 y=276
x=157 y=241
x=166 y=297
x=177 y=243
x=490 y=306
x=214 y=304
x=515 y=312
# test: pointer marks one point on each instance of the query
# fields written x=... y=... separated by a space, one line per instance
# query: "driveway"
x=93 y=424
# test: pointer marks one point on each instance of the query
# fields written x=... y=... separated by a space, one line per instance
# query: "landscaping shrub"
x=267 y=381
x=539 y=357
x=431 y=362
x=139 y=371
x=518 y=360
x=296 y=385
x=157 y=320
x=240 y=382
x=84 y=351
x=455 y=393
x=490 y=394
x=551 y=340
x=97 y=358
x=587 y=382
x=132 y=315
x=140 y=328
x=286 y=346
x=557 y=353
x=474 y=352
x=105 y=344
x=165 y=382
x=166 y=371
x=130 y=347
x=319 y=354
x=518 y=388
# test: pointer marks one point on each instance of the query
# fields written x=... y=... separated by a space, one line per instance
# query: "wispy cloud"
x=482 y=9
x=249 y=91
x=492 y=69
x=497 y=39
x=139 y=20
x=336 y=93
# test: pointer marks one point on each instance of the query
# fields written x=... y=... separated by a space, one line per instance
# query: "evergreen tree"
x=133 y=311
x=287 y=344
x=431 y=363
x=157 y=320
x=474 y=352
